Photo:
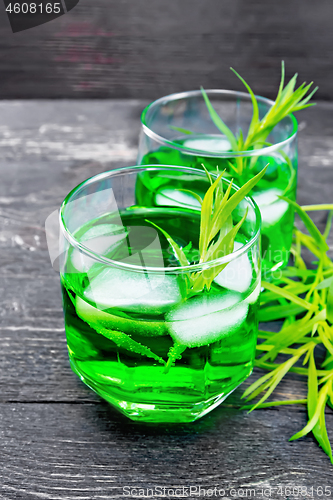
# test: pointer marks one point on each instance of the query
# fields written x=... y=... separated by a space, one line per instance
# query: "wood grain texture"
x=148 y=48
x=86 y=452
x=59 y=440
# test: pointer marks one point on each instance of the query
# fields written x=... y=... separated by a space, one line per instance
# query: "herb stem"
x=277 y=403
x=312 y=208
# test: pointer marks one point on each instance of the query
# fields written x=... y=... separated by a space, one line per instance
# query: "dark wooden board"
x=60 y=441
x=87 y=451
x=148 y=48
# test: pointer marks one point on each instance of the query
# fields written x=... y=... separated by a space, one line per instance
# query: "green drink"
x=165 y=139
x=137 y=334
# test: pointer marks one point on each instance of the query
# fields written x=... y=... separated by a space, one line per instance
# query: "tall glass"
x=178 y=130
x=136 y=333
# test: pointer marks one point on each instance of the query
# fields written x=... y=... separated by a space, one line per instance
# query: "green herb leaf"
x=223 y=246
x=192 y=193
x=319 y=430
x=287 y=295
x=321 y=402
x=277 y=376
x=311 y=208
x=255 y=115
x=278 y=312
x=175 y=353
x=309 y=224
x=176 y=248
x=325 y=283
x=123 y=340
x=328 y=225
x=218 y=122
x=224 y=212
x=181 y=130
x=276 y=403
x=312 y=386
x=329 y=307
x=206 y=213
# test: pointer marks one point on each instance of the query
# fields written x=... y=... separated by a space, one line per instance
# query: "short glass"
x=136 y=335
x=165 y=140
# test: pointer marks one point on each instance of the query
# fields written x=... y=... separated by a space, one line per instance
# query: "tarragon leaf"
x=325 y=283
x=287 y=295
x=309 y=224
x=206 y=214
x=319 y=430
x=218 y=122
x=218 y=218
x=276 y=403
x=192 y=193
x=328 y=225
x=273 y=313
x=329 y=306
x=323 y=206
x=174 y=353
x=238 y=196
x=277 y=376
x=321 y=402
x=255 y=115
x=222 y=247
x=181 y=130
x=176 y=248
x=123 y=340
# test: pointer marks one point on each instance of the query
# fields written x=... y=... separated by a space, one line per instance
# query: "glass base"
x=166 y=413
x=162 y=411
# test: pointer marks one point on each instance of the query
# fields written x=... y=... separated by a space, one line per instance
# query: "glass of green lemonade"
x=136 y=334
x=178 y=130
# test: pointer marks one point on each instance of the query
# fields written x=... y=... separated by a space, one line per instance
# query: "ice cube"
x=271 y=207
x=213 y=144
x=102 y=230
x=206 y=318
x=237 y=275
x=174 y=197
x=146 y=293
x=101 y=239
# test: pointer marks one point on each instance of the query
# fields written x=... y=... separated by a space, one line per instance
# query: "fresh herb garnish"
x=217 y=231
x=288 y=100
x=303 y=298
x=217 y=237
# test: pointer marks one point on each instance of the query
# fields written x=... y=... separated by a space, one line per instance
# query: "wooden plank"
x=68 y=451
x=148 y=48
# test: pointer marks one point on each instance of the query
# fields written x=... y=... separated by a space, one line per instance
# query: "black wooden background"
x=147 y=48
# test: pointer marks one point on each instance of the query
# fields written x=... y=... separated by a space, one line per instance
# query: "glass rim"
x=223 y=154
x=143 y=269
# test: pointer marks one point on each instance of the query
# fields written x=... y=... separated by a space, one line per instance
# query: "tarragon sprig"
x=303 y=298
x=288 y=100
x=217 y=231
